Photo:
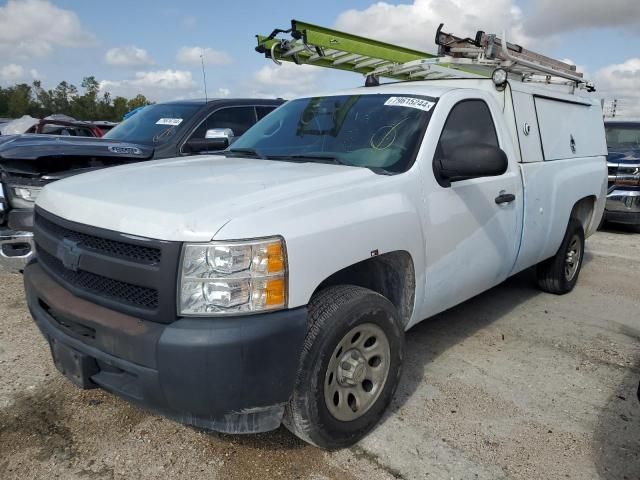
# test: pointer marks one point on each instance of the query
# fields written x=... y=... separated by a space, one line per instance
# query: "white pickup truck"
x=274 y=283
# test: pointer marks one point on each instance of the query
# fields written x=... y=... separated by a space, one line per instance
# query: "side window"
x=469 y=123
x=238 y=119
x=264 y=111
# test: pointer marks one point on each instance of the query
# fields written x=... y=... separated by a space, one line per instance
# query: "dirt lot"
x=512 y=384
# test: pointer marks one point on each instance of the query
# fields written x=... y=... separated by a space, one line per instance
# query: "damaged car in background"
x=51 y=125
x=623 y=162
x=29 y=162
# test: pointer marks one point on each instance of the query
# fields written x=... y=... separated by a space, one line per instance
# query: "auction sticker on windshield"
x=169 y=121
x=410 y=102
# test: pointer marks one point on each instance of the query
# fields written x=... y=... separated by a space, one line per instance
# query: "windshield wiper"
x=315 y=156
x=245 y=152
x=334 y=159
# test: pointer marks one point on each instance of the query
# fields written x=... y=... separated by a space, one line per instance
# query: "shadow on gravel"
x=434 y=336
x=620 y=228
x=36 y=421
x=616 y=440
x=280 y=439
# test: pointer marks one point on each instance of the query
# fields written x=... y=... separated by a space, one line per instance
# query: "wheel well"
x=392 y=275
x=583 y=210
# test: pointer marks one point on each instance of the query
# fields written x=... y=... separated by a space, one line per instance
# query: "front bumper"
x=20 y=219
x=16 y=250
x=232 y=375
x=623 y=206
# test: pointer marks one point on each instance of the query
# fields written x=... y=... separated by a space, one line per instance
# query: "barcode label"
x=410 y=102
x=169 y=121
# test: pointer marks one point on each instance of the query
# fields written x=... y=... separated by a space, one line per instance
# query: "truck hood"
x=191 y=199
x=34 y=146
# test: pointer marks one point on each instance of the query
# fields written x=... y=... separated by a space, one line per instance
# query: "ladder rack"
x=457 y=57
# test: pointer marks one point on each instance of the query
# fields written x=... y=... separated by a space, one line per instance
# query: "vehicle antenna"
x=206 y=97
x=204 y=78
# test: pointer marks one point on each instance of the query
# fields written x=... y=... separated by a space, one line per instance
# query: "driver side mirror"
x=470 y=161
x=214 y=139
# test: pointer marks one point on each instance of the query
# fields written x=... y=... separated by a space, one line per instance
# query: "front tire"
x=349 y=367
x=559 y=273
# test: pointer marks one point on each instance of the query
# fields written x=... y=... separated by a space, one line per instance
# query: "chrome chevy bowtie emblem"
x=69 y=254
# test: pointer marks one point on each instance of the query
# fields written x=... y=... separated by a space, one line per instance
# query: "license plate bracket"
x=76 y=366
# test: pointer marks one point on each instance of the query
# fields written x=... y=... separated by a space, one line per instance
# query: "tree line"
x=66 y=98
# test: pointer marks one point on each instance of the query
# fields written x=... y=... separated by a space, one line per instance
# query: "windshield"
x=621 y=136
x=154 y=124
x=381 y=132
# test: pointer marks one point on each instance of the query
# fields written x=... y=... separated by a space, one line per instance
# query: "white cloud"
x=31 y=28
x=191 y=56
x=155 y=85
x=414 y=25
x=171 y=79
x=287 y=80
x=128 y=56
x=223 y=92
x=553 y=16
x=622 y=82
x=11 y=73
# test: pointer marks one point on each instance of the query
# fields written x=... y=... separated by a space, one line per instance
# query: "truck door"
x=473 y=226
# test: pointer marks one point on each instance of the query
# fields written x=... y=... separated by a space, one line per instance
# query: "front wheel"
x=350 y=366
x=559 y=273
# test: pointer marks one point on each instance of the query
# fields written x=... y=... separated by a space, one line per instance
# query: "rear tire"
x=349 y=367
x=559 y=273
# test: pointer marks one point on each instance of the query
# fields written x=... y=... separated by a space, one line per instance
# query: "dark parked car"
x=164 y=130
x=623 y=199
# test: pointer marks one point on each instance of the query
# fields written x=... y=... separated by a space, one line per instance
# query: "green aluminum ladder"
x=308 y=44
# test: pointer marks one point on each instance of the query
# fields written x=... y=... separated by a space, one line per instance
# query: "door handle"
x=505 y=198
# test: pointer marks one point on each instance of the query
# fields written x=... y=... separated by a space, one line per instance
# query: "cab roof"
x=202 y=101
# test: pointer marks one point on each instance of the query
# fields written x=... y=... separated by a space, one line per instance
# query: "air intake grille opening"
x=134 y=295
x=136 y=253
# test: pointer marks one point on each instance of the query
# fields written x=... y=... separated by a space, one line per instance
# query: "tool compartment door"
x=527 y=127
x=570 y=129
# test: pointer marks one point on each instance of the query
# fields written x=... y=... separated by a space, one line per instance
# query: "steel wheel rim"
x=357 y=372
x=572 y=259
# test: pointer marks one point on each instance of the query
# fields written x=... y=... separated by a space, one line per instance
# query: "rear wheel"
x=349 y=369
x=559 y=273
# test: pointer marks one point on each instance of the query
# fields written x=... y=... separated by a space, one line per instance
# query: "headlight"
x=233 y=277
x=24 y=196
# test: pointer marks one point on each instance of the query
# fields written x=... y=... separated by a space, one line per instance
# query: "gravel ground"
x=512 y=384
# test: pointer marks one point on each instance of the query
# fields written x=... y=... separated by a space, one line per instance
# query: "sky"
x=154 y=47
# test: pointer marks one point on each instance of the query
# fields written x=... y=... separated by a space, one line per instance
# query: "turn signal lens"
x=275 y=291
x=275 y=258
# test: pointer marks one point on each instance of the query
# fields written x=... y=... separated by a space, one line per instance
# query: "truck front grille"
x=137 y=253
x=107 y=287
x=134 y=275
